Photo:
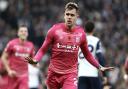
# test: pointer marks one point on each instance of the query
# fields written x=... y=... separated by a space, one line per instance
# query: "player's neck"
x=22 y=40
x=70 y=28
x=90 y=34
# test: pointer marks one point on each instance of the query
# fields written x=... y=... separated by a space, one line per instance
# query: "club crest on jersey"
x=77 y=39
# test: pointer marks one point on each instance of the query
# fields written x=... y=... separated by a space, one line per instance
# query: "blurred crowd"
x=110 y=17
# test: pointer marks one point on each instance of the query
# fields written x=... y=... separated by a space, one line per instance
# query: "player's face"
x=23 y=33
x=70 y=17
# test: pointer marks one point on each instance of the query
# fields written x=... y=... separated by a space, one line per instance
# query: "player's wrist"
x=35 y=61
x=32 y=61
x=8 y=70
x=100 y=66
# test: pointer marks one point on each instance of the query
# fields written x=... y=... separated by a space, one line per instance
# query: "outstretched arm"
x=87 y=54
x=42 y=50
x=89 y=57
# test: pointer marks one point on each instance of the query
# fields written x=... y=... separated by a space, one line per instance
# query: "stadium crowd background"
x=110 y=17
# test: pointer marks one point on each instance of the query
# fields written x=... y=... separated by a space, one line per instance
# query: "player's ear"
x=77 y=15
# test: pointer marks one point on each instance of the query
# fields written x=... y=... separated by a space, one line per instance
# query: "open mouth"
x=69 y=22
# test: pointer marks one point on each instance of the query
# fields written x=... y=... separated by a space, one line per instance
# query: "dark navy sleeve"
x=99 y=54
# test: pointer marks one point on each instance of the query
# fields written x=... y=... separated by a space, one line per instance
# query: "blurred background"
x=110 y=17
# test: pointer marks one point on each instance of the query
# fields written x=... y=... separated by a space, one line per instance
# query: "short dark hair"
x=23 y=25
x=89 y=26
x=71 y=5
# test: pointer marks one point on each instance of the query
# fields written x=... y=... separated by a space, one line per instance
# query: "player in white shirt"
x=87 y=73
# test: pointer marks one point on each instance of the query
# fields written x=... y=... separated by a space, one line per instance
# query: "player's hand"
x=12 y=73
x=30 y=60
x=106 y=68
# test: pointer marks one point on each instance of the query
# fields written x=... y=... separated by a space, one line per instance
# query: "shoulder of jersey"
x=56 y=26
x=13 y=41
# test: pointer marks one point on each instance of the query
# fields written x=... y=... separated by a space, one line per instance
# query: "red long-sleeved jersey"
x=65 y=44
x=16 y=53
